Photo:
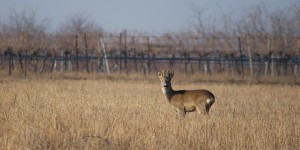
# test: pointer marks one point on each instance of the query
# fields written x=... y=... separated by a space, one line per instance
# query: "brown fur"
x=185 y=100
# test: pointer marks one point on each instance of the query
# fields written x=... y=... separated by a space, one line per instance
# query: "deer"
x=185 y=100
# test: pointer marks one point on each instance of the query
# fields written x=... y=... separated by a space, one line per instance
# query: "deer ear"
x=172 y=74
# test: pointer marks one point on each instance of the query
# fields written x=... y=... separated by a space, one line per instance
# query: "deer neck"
x=168 y=92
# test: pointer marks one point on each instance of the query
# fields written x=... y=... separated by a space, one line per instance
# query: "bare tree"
x=24 y=34
x=254 y=21
x=77 y=35
x=198 y=23
x=24 y=31
x=79 y=24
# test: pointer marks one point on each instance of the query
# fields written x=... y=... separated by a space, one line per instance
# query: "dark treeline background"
x=260 y=43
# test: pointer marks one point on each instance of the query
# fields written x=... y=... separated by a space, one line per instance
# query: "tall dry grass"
x=120 y=114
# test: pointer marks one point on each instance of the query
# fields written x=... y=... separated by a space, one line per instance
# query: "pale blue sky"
x=133 y=15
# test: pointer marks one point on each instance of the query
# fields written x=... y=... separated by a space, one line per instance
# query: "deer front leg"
x=180 y=110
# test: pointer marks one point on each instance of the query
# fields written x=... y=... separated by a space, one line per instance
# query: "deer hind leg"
x=208 y=104
x=207 y=107
x=201 y=108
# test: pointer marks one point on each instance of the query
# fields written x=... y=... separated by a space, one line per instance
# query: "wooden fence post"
x=53 y=66
x=134 y=53
x=268 y=51
x=21 y=62
x=77 y=52
x=185 y=57
x=86 y=54
x=125 y=52
x=272 y=64
x=62 y=61
x=250 y=55
x=100 y=61
x=297 y=69
x=120 y=53
x=70 y=66
x=188 y=65
x=148 y=61
x=206 y=65
x=35 y=63
x=172 y=61
x=44 y=64
x=231 y=64
x=10 y=61
x=105 y=54
x=144 y=64
x=241 y=56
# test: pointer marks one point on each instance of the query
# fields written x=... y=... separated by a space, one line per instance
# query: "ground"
x=110 y=113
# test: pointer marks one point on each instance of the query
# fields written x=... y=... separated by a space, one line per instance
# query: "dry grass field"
x=133 y=114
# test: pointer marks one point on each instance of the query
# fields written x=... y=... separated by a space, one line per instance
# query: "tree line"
x=260 y=42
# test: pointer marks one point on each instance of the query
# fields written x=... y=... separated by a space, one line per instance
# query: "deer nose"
x=165 y=84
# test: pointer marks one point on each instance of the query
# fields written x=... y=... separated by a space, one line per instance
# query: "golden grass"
x=124 y=114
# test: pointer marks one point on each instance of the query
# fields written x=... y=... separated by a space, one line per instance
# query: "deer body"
x=185 y=100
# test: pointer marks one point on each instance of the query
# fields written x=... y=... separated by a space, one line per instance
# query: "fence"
x=242 y=56
x=275 y=65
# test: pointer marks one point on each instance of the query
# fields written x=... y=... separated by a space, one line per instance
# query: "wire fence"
x=108 y=53
x=275 y=65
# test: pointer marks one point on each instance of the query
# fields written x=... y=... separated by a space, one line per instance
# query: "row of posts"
x=103 y=61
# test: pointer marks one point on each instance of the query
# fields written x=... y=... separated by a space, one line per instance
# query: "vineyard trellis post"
x=53 y=66
x=297 y=68
x=250 y=55
x=61 y=61
x=241 y=56
x=105 y=54
x=148 y=60
x=77 y=52
x=267 y=59
x=10 y=61
x=272 y=64
x=86 y=53
x=207 y=66
x=134 y=53
x=120 y=53
x=125 y=51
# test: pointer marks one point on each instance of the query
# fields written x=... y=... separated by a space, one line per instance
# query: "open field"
x=128 y=114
